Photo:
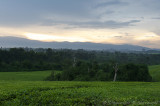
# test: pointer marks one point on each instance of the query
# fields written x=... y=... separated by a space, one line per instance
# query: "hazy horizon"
x=98 y=21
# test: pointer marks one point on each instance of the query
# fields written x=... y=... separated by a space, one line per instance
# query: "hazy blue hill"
x=22 y=42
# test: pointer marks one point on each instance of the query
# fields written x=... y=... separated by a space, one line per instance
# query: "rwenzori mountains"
x=9 y=42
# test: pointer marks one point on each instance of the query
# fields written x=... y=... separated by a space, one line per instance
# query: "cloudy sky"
x=102 y=21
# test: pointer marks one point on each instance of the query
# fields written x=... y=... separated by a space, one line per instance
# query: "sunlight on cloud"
x=49 y=38
x=147 y=36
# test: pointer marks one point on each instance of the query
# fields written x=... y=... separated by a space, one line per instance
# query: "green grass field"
x=28 y=88
x=24 y=76
x=63 y=93
x=155 y=72
x=41 y=75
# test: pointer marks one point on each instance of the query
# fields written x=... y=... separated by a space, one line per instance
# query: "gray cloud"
x=109 y=12
x=28 y=12
x=126 y=34
x=76 y=13
x=156 y=18
x=146 y=42
x=108 y=24
x=118 y=36
x=93 y=24
x=157 y=32
x=109 y=3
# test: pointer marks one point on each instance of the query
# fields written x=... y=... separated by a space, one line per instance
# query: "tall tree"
x=116 y=70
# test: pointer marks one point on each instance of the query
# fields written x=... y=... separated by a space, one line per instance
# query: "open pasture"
x=154 y=71
x=79 y=93
x=28 y=88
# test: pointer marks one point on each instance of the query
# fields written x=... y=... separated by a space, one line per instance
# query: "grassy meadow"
x=25 y=76
x=79 y=93
x=155 y=72
x=28 y=88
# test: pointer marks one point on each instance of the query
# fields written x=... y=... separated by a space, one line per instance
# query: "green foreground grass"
x=78 y=93
x=155 y=72
x=25 y=76
x=41 y=75
x=28 y=88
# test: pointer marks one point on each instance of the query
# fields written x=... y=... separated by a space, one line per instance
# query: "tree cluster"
x=83 y=71
x=79 y=64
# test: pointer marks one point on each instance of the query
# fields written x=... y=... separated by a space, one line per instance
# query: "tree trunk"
x=115 y=76
x=116 y=69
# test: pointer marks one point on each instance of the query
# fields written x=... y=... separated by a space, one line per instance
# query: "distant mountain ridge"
x=10 y=42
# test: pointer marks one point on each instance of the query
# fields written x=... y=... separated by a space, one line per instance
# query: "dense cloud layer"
x=116 y=16
x=26 y=12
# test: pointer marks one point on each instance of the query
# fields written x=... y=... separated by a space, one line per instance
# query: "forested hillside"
x=79 y=64
x=20 y=59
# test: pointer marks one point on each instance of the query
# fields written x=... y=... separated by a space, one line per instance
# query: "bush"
x=51 y=77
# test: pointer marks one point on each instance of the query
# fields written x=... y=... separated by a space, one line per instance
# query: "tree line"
x=21 y=59
x=84 y=71
x=81 y=65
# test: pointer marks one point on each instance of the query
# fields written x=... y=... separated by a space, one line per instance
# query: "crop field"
x=155 y=72
x=41 y=75
x=28 y=88
x=25 y=76
x=78 y=93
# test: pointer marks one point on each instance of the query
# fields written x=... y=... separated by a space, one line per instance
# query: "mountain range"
x=9 y=42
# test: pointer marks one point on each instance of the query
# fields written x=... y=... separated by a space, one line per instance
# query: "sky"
x=135 y=22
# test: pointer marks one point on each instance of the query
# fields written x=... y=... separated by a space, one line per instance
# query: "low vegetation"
x=79 y=93
x=24 y=76
x=24 y=59
x=95 y=72
x=154 y=71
